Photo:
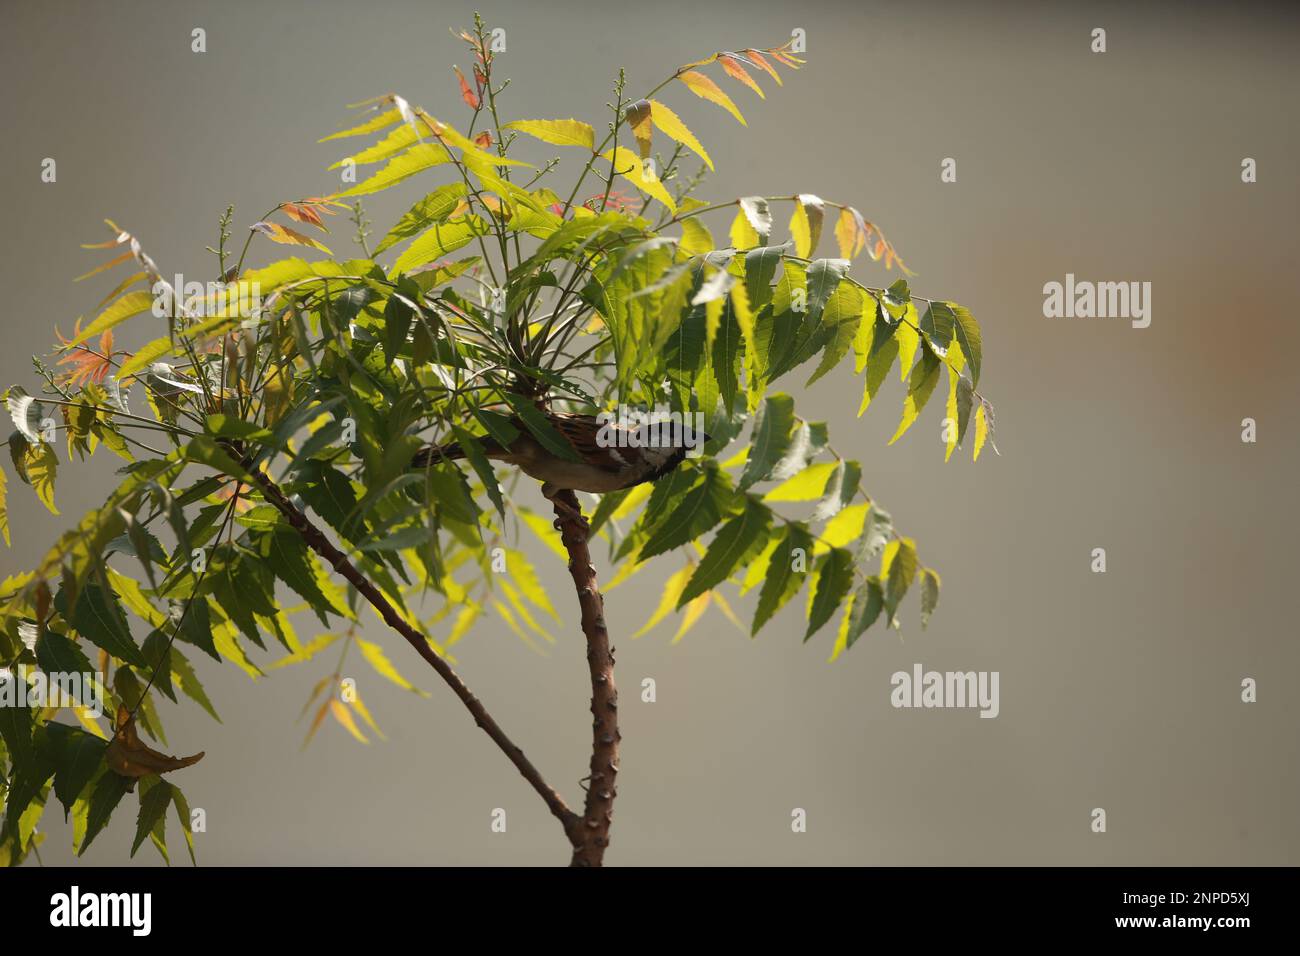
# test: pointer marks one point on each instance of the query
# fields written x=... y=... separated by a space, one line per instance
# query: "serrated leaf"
x=417 y=159
x=668 y=599
x=968 y=336
x=805 y=486
x=834 y=577
x=433 y=208
x=107 y=795
x=627 y=164
x=868 y=602
x=668 y=123
x=438 y=241
x=559 y=132
x=806 y=224
x=897 y=569
x=929 y=594
x=877 y=531
x=770 y=439
x=920 y=386
x=782 y=581
x=738 y=539
x=706 y=89
x=153 y=809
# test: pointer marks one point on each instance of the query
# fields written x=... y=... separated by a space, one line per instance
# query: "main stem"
x=592 y=836
x=319 y=543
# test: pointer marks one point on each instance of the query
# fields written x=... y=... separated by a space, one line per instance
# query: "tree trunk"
x=598 y=811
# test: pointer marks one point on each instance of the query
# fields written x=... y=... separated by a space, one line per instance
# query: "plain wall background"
x=1118 y=690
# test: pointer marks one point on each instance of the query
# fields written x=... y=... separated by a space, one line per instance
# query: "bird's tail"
x=432 y=454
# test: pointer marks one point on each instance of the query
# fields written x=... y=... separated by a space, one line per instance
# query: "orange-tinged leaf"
x=116 y=260
x=344 y=717
x=846 y=234
x=469 y=96
x=731 y=66
x=705 y=88
x=676 y=130
x=761 y=62
x=283 y=234
x=303 y=213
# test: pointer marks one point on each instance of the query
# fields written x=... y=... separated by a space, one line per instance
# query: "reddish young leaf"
x=469 y=96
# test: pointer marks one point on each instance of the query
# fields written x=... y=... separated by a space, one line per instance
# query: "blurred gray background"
x=1119 y=690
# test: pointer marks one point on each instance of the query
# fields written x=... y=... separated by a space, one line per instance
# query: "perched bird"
x=611 y=456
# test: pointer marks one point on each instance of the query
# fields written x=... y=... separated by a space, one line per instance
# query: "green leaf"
x=834 y=578
x=868 y=601
x=189 y=683
x=738 y=540
x=108 y=794
x=478 y=460
x=153 y=808
x=697 y=512
x=288 y=557
x=840 y=490
x=58 y=654
x=929 y=594
x=898 y=568
x=824 y=277
x=783 y=581
x=99 y=618
x=77 y=757
x=760 y=268
x=840 y=322
x=16 y=728
x=399 y=311
x=196 y=626
x=968 y=336
x=938 y=324
x=770 y=439
x=876 y=534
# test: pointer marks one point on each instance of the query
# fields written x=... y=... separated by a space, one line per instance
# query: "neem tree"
x=272 y=438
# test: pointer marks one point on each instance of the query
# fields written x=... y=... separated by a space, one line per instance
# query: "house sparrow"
x=613 y=456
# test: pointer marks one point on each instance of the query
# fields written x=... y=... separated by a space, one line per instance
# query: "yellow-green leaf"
x=133 y=303
x=558 y=132
x=417 y=159
x=42 y=468
x=671 y=126
x=805 y=486
x=668 y=600
x=628 y=165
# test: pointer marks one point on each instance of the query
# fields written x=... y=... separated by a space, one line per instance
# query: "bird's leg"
x=551 y=493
